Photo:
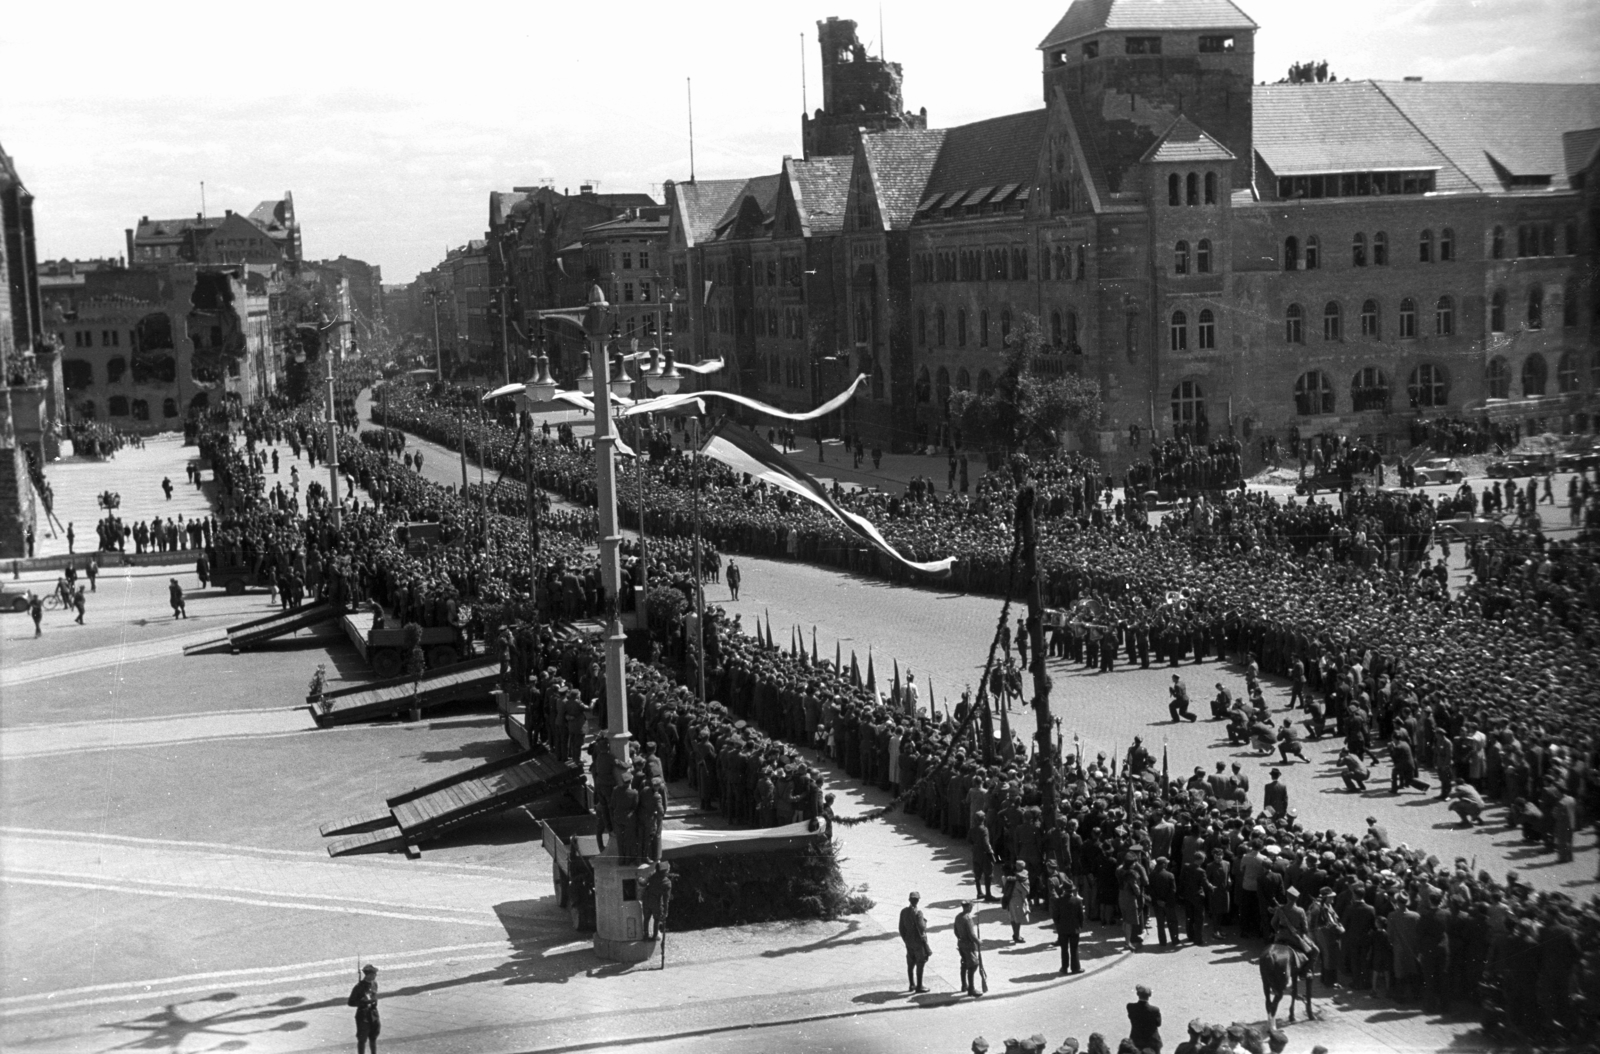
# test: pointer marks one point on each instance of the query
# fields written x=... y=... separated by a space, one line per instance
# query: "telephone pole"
x=1027 y=528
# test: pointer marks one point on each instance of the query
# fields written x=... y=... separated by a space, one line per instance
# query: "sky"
x=391 y=123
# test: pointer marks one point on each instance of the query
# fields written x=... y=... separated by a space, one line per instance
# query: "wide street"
x=166 y=888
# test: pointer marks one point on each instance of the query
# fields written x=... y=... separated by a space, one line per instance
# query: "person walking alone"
x=36 y=610
x=734 y=577
x=80 y=604
x=914 y=932
x=175 y=598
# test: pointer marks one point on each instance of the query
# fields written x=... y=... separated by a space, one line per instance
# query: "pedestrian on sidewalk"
x=36 y=610
x=91 y=571
x=734 y=577
x=914 y=932
x=175 y=598
x=80 y=604
x=28 y=538
x=72 y=537
x=166 y=486
x=364 y=997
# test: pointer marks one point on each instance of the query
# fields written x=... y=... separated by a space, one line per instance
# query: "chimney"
x=227 y=212
x=586 y=190
x=127 y=233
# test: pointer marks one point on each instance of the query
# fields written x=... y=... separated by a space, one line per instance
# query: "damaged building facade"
x=1218 y=254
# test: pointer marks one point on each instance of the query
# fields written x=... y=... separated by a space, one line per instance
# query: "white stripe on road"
x=47 y=740
x=493 y=923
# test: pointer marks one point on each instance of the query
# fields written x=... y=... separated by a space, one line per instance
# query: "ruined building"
x=858 y=92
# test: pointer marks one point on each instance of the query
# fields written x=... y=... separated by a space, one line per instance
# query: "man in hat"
x=1067 y=914
x=968 y=947
x=914 y=932
x=1276 y=795
x=1144 y=1022
x=364 y=997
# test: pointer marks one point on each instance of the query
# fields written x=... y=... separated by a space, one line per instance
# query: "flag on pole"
x=770 y=645
x=1163 y=762
x=744 y=451
x=837 y=664
x=855 y=669
x=895 y=689
x=815 y=659
x=793 y=651
x=872 y=678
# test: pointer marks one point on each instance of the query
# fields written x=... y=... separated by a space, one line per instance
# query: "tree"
x=1025 y=409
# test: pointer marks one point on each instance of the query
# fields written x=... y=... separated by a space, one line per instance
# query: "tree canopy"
x=1025 y=409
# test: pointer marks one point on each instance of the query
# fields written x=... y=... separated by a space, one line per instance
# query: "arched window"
x=1534 y=375
x=1313 y=252
x=1179 y=331
x=1498 y=375
x=1497 y=312
x=922 y=327
x=985 y=382
x=1211 y=188
x=1202 y=256
x=1380 y=249
x=1567 y=373
x=1569 y=304
x=141 y=410
x=924 y=389
x=1174 y=191
x=1005 y=327
x=1408 y=318
x=1358 y=251
x=1447 y=245
x=1206 y=331
x=1055 y=329
x=1313 y=394
x=169 y=408
x=1291 y=253
x=1497 y=244
x=1426 y=387
x=1425 y=247
x=1188 y=404
x=1369 y=390
x=961 y=327
x=1180 y=258
x=1192 y=184
x=1536 y=308
x=1072 y=332
x=1444 y=317
x=117 y=406
x=963 y=380
x=116 y=366
x=938 y=325
x=1371 y=327
x=941 y=385
x=1332 y=318
x=983 y=329
x=1294 y=330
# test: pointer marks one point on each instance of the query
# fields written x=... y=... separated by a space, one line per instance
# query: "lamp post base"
x=619 y=934
x=624 y=951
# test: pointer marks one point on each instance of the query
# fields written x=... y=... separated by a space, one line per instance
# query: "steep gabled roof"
x=1580 y=148
x=173 y=230
x=763 y=190
x=821 y=189
x=1184 y=142
x=702 y=204
x=1092 y=16
x=901 y=162
x=993 y=153
x=1483 y=123
x=1301 y=129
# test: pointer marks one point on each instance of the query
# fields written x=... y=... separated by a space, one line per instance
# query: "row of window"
x=122 y=406
x=146 y=369
x=1001 y=264
x=109 y=338
x=627 y=260
x=1535 y=375
x=646 y=292
x=1534 y=316
x=1310 y=257
x=942 y=334
x=1444 y=316
x=1202 y=257
x=768 y=322
x=1354 y=184
x=1185 y=190
x=1208 y=44
x=1205 y=330
x=927 y=387
x=1427 y=386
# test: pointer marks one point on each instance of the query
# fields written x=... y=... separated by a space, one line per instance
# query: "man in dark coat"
x=1194 y=888
x=1360 y=918
x=1164 y=902
x=914 y=932
x=364 y=997
x=1144 y=1022
x=1179 y=706
x=1067 y=915
x=1275 y=795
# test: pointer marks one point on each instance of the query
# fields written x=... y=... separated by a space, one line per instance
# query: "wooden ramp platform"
x=261 y=630
x=426 y=812
x=473 y=679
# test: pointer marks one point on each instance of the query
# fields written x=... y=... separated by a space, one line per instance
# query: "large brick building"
x=1216 y=253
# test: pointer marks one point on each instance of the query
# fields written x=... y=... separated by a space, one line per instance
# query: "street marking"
x=388 y=967
x=95 y=836
x=148 y=718
x=218 y=975
x=109 y=655
x=118 y=734
x=493 y=923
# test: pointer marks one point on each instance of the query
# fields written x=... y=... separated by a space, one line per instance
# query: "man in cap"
x=364 y=997
x=914 y=932
x=968 y=947
x=1275 y=795
x=1144 y=1022
x=1067 y=914
x=1178 y=707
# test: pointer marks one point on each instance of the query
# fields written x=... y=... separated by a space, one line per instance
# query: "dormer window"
x=1091 y=49
x=1142 y=45
x=1216 y=45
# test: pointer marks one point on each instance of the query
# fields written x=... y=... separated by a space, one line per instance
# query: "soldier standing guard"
x=364 y=997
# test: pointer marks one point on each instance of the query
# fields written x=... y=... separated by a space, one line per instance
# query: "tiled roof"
x=173 y=230
x=702 y=204
x=1580 y=148
x=989 y=153
x=1092 y=16
x=1184 y=141
x=1302 y=129
x=1517 y=125
x=265 y=215
x=821 y=188
x=764 y=189
x=901 y=162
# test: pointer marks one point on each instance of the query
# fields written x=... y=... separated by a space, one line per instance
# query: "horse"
x=1283 y=968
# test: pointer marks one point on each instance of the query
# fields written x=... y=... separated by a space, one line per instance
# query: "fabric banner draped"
x=744 y=451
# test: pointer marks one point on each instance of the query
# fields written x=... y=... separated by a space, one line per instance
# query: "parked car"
x=1515 y=466
x=1578 y=459
x=1466 y=526
x=13 y=598
x=1436 y=470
